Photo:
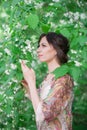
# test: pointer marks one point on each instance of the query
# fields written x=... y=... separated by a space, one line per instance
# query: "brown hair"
x=60 y=44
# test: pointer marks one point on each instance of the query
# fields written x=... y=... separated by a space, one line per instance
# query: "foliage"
x=21 y=23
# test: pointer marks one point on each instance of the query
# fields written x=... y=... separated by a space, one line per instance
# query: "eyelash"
x=42 y=45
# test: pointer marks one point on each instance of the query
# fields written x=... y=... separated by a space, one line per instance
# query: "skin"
x=46 y=53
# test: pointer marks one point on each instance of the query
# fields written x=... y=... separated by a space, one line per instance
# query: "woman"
x=52 y=103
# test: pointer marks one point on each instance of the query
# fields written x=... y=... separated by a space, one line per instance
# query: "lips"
x=40 y=55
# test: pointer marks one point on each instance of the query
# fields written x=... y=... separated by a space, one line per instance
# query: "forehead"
x=44 y=40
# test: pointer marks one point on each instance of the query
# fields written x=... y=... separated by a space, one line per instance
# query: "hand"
x=27 y=93
x=24 y=83
x=29 y=74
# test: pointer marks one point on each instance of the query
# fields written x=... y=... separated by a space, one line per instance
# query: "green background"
x=21 y=23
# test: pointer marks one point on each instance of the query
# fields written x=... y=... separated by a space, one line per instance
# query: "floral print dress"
x=54 y=109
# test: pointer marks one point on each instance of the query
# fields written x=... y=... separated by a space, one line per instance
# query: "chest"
x=45 y=89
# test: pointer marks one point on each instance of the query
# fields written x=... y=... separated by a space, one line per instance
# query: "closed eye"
x=43 y=45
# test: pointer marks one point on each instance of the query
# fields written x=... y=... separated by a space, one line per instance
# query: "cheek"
x=50 y=54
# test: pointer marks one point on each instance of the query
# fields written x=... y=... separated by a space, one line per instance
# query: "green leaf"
x=8 y=109
x=45 y=28
x=74 y=43
x=82 y=40
x=61 y=71
x=83 y=30
x=75 y=72
x=33 y=20
x=65 y=32
x=14 y=2
x=84 y=64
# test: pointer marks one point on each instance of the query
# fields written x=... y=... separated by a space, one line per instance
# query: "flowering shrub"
x=22 y=21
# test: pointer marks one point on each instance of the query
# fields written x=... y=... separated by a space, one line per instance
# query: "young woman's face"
x=45 y=51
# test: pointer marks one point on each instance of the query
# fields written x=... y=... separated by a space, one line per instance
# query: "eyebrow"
x=42 y=43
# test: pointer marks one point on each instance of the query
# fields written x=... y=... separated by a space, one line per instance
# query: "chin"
x=42 y=60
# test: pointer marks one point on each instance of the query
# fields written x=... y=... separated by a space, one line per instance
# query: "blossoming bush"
x=22 y=21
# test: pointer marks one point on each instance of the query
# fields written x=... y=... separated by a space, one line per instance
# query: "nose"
x=39 y=49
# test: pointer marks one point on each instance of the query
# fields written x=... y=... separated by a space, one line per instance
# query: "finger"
x=24 y=81
x=31 y=69
x=23 y=63
x=23 y=66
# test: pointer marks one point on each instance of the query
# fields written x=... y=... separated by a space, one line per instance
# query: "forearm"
x=34 y=96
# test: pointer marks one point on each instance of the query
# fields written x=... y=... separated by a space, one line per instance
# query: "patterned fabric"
x=54 y=109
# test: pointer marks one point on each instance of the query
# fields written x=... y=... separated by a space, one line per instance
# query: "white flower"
x=82 y=16
x=77 y=63
x=66 y=14
x=75 y=83
x=53 y=25
x=21 y=46
x=80 y=34
x=9 y=83
x=25 y=61
x=25 y=27
x=33 y=38
x=28 y=48
x=7 y=51
x=1 y=92
x=24 y=51
x=7 y=72
x=22 y=128
x=11 y=98
x=71 y=20
x=13 y=66
x=1 y=111
x=18 y=25
x=14 y=80
x=79 y=3
x=16 y=39
x=27 y=42
x=38 y=5
x=50 y=4
x=73 y=51
x=49 y=14
x=55 y=0
x=7 y=32
x=16 y=45
x=76 y=25
x=3 y=14
x=20 y=60
x=33 y=64
x=62 y=22
x=11 y=7
x=28 y=1
x=76 y=16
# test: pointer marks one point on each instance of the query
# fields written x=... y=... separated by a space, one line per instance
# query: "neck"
x=52 y=66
